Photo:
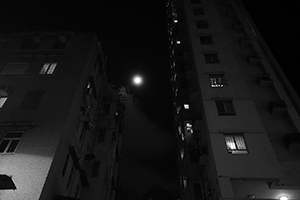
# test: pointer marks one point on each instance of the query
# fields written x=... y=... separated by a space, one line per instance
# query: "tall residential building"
x=60 y=120
x=237 y=116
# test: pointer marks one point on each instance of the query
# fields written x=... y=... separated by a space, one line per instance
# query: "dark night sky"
x=134 y=37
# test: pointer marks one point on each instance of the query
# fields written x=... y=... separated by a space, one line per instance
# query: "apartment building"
x=60 y=120
x=237 y=116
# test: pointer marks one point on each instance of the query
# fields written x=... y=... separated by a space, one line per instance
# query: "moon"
x=137 y=80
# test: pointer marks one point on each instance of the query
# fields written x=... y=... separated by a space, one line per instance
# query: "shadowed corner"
x=148 y=153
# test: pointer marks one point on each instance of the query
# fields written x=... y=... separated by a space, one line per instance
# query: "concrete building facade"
x=236 y=114
x=60 y=120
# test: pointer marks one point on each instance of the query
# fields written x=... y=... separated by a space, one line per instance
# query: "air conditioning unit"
x=277 y=107
x=245 y=41
x=265 y=80
x=254 y=58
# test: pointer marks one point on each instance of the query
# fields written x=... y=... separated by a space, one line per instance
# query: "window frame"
x=206 y=39
x=48 y=68
x=8 y=69
x=236 y=144
x=225 y=107
x=10 y=143
x=217 y=80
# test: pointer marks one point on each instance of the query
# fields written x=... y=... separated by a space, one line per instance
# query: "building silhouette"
x=60 y=120
x=236 y=114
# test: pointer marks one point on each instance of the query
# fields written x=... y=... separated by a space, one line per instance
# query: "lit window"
x=178 y=109
x=186 y=106
x=182 y=153
x=207 y=39
x=48 y=68
x=236 y=144
x=15 y=68
x=10 y=142
x=217 y=80
x=2 y=101
x=225 y=107
x=188 y=127
x=3 y=96
x=211 y=58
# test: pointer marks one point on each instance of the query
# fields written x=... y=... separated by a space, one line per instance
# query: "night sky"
x=133 y=34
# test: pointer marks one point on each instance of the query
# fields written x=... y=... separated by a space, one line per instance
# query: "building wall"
x=251 y=82
x=36 y=166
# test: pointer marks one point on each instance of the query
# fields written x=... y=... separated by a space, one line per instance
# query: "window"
x=236 y=144
x=225 y=107
x=2 y=101
x=207 y=39
x=4 y=91
x=198 y=11
x=15 y=68
x=211 y=58
x=201 y=24
x=10 y=142
x=217 y=80
x=95 y=168
x=48 y=68
x=32 y=99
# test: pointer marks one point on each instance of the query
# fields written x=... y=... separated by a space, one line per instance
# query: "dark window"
x=32 y=99
x=61 y=42
x=206 y=39
x=211 y=58
x=101 y=135
x=225 y=107
x=236 y=144
x=10 y=142
x=198 y=11
x=201 y=24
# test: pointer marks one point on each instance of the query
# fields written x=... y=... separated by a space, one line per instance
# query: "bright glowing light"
x=283 y=198
x=137 y=80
